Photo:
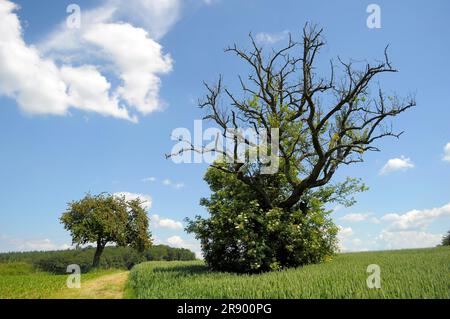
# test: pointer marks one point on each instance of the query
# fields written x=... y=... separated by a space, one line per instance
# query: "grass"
x=16 y=269
x=419 y=273
x=109 y=286
x=21 y=281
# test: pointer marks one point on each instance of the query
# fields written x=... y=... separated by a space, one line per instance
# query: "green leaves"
x=446 y=240
x=254 y=103
x=106 y=218
x=241 y=236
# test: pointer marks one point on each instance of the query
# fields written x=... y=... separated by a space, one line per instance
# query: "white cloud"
x=357 y=217
x=357 y=242
x=137 y=59
x=39 y=244
x=416 y=218
x=396 y=164
x=343 y=235
x=409 y=239
x=34 y=82
x=345 y=232
x=178 y=242
x=271 y=38
x=168 y=182
x=159 y=222
x=148 y=179
x=89 y=90
x=156 y=16
x=347 y=243
x=43 y=79
x=179 y=185
x=16 y=244
x=446 y=153
x=198 y=255
x=146 y=199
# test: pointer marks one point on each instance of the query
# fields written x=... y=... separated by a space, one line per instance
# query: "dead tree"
x=323 y=122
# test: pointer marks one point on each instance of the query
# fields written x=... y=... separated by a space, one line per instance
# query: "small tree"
x=107 y=218
x=446 y=239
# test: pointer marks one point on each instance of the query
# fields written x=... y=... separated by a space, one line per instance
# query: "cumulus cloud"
x=19 y=244
x=396 y=164
x=34 y=82
x=148 y=179
x=137 y=59
x=159 y=222
x=345 y=232
x=271 y=38
x=347 y=242
x=156 y=16
x=415 y=219
x=146 y=199
x=446 y=153
x=357 y=217
x=409 y=239
x=64 y=71
x=178 y=242
x=89 y=90
x=343 y=235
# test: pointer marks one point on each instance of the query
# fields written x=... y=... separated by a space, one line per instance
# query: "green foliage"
x=106 y=218
x=241 y=236
x=56 y=262
x=416 y=274
x=313 y=126
x=16 y=268
x=446 y=239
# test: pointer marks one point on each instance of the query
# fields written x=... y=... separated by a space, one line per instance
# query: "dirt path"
x=104 y=287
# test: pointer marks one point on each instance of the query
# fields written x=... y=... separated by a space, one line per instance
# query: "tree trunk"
x=98 y=253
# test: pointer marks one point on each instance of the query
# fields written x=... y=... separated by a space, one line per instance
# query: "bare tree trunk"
x=98 y=253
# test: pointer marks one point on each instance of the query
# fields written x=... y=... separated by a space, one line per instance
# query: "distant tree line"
x=113 y=257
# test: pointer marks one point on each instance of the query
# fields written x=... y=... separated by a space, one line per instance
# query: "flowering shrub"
x=240 y=236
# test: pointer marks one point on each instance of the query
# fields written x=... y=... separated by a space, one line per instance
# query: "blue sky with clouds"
x=93 y=109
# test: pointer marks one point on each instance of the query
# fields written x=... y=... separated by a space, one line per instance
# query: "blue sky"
x=136 y=72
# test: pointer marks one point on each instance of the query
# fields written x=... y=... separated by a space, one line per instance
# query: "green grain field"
x=20 y=280
x=418 y=273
